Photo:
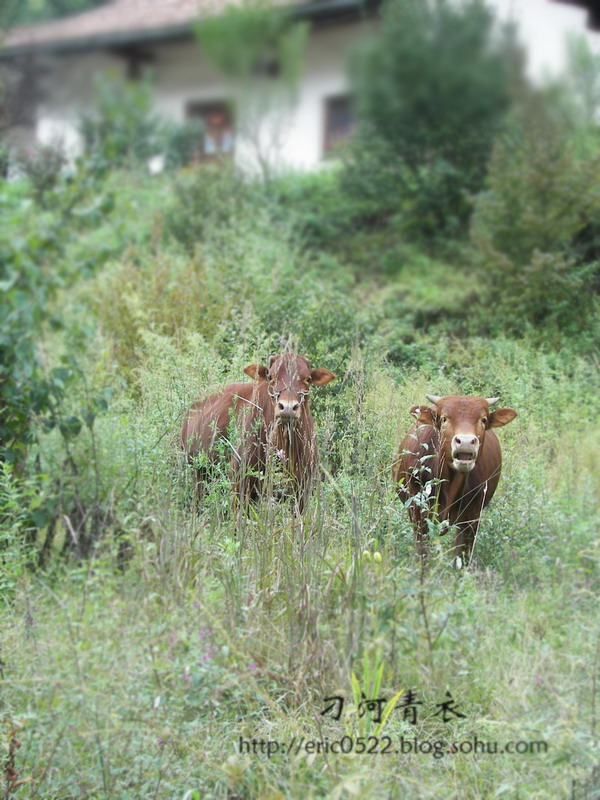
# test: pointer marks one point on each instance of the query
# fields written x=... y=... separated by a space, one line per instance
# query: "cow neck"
x=451 y=488
x=290 y=439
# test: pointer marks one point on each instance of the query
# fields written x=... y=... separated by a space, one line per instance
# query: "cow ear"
x=257 y=372
x=425 y=415
x=501 y=416
x=321 y=376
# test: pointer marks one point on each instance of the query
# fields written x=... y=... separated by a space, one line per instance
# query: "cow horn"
x=433 y=398
x=491 y=400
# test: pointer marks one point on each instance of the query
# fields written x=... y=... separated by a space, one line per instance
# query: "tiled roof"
x=119 y=20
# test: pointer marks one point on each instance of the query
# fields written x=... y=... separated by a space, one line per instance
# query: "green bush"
x=182 y=143
x=431 y=91
x=206 y=200
x=121 y=127
x=36 y=397
x=43 y=167
x=532 y=226
x=247 y=285
x=321 y=213
x=340 y=223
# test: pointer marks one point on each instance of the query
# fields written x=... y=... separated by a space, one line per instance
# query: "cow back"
x=208 y=420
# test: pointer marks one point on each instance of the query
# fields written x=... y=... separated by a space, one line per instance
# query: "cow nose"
x=465 y=441
x=288 y=407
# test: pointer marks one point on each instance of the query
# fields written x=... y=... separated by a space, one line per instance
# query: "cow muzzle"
x=288 y=407
x=465 y=449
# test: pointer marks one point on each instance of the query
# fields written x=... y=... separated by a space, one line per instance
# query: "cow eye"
x=484 y=420
x=309 y=379
x=444 y=419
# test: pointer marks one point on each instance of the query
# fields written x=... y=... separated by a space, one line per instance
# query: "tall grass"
x=135 y=673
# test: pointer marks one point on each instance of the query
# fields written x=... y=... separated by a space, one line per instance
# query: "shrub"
x=34 y=267
x=237 y=288
x=431 y=92
x=531 y=224
x=122 y=127
x=207 y=199
x=43 y=166
x=317 y=207
x=181 y=143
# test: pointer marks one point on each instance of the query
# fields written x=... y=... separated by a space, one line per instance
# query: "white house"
x=62 y=57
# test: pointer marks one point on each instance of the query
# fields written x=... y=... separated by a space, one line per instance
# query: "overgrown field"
x=135 y=663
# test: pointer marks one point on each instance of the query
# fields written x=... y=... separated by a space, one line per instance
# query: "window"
x=339 y=121
x=217 y=140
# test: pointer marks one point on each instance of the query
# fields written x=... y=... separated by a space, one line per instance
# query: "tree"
x=25 y=12
x=535 y=227
x=121 y=125
x=431 y=91
x=259 y=50
x=17 y=77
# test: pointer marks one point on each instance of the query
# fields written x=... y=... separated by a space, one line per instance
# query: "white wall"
x=68 y=90
x=543 y=27
x=325 y=76
x=183 y=75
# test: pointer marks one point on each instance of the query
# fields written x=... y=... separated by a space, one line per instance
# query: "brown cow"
x=274 y=424
x=452 y=447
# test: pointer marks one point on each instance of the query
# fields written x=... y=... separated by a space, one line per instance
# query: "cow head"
x=462 y=423
x=289 y=378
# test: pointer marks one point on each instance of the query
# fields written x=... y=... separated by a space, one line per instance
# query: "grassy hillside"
x=154 y=634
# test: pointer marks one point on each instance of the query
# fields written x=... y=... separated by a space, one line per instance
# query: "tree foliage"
x=259 y=50
x=431 y=90
x=32 y=270
x=121 y=125
x=253 y=40
x=25 y=12
x=535 y=228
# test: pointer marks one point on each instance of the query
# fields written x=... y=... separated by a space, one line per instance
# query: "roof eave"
x=316 y=10
x=99 y=42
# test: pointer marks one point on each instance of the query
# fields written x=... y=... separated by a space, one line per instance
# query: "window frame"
x=329 y=145
x=200 y=110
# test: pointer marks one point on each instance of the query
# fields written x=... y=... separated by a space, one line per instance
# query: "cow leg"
x=467 y=526
x=302 y=492
x=421 y=535
x=200 y=475
x=246 y=490
x=299 y=500
x=421 y=542
x=464 y=540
